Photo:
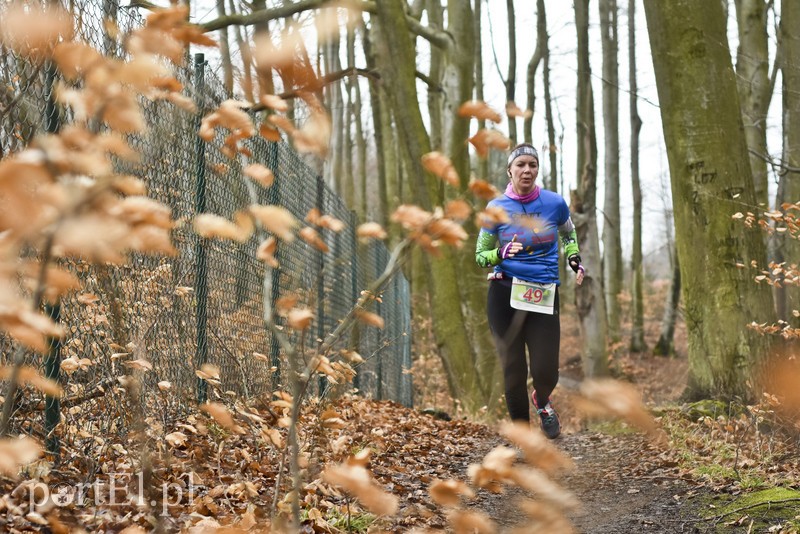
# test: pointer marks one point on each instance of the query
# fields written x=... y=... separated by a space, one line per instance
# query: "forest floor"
x=718 y=468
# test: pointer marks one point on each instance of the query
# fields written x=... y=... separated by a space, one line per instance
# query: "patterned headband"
x=522 y=150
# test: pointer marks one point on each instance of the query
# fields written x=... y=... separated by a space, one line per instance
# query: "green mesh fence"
x=206 y=303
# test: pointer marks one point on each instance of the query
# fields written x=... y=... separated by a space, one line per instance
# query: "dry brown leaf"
x=447 y=231
x=370 y=230
x=440 y=165
x=269 y=133
x=33 y=32
x=275 y=102
x=371 y=319
x=286 y=302
x=222 y=416
x=310 y=236
x=275 y=219
x=17 y=452
x=357 y=481
x=209 y=372
x=457 y=210
x=482 y=189
x=488 y=138
x=449 y=492
x=176 y=439
x=491 y=217
x=299 y=318
x=607 y=397
x=537 y=482
x=411 y=217
x=31 y=377
x=469 y=522
x=513 y=111
x=210 y=226
x=479 y=110
x=259 y=174
x=138 y=364
x=266 y=252
x=538 y=450
x=546 y=517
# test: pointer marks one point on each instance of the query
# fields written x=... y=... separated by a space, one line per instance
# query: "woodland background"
x=386 y=102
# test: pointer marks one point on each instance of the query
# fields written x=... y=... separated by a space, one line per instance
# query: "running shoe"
x=551 y=425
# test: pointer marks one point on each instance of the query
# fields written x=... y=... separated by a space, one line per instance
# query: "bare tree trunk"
x=533 y=66
x=511 y=79
x=637 y=343
x=612 y=240
x=483 y=163
x=790 y=181
x=755 y=87
x=266 y=85
x=247 y=58
x=334 y=168
x=360 y=172
x=552 y=178
x=225 y=53
x=710 y=177
x=664 y=345
x=589 y=296
x=436 y=75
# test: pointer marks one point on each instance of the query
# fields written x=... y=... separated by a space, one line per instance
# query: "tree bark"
x=790 y=180
x=225 y=53
x=755 y=89
x=511 y=78
x=483 y=163
x=533 y=66
x=664 y=346
x=710 y=177
x=552 y=152
x=612 y=240
x=436 y=75
x=637 y=343
x=590 y=304
x=398 y=62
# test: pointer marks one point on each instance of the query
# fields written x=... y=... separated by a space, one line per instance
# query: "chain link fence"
x=205 y=304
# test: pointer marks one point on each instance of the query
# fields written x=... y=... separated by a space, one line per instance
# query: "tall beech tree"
x=589 y=297
x=637 y=342
x=612 y=239
x=755 y=85
x=790 y=179
x=711 y=179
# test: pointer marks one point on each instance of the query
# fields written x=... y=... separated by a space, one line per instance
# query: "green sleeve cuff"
x=486 y=254
x=570 y=242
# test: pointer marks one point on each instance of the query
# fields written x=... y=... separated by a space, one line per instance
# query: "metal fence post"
x=320 y=203
x=379 y=310
x=201 y=267
x=52 y=362
x=354 y=285
x=274 y=197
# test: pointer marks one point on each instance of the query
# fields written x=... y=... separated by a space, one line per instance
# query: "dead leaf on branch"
x=604 y=397
x=469 y=522
x=299 y=318
x=491 y=217
x=370 y=230
x=538 y=450
x=259 y=174
x=17 y=452
x=479 y=110
x=266 y=252
x=310 y=236
x=209 y=225
x=449 y=492
x=371 y=319
x=275 y=219
x=514 y=111
x=488 y=138
x=440 y=165
x=357 y=481
x=482 y=189
x=222 y=416
x=33 y=32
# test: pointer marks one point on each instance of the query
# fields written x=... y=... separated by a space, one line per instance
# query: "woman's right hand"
x=510 y=249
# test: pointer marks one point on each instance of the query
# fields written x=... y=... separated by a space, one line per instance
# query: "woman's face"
x=523 y=173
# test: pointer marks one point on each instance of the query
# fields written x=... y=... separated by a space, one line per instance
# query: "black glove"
x=574 y=262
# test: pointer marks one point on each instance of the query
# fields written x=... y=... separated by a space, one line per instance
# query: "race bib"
x=533 y=296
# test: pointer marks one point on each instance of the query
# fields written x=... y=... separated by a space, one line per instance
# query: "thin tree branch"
x=432 y=85
x=323 y=81
x=285 y=11
x=775 y=163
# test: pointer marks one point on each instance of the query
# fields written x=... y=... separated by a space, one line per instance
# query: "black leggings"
x=513 y=330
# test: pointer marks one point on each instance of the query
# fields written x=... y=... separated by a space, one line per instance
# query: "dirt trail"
x=619 y=491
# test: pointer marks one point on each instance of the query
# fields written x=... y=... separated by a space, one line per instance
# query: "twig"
x=751 y=506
